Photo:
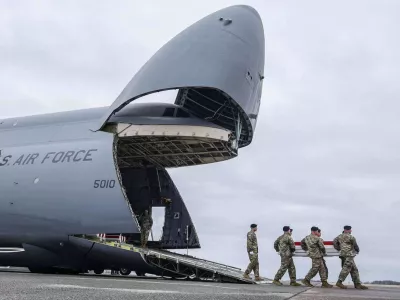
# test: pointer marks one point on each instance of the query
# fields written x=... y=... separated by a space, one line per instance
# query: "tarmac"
x=21 y=284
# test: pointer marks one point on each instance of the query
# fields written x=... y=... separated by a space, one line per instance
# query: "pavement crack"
x=301 y=292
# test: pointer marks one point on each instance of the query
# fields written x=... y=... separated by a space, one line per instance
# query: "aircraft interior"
x=203 y=126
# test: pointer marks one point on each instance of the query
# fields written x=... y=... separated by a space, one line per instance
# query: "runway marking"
x=72 y=286
x=282 y=294
x=139 y=291
x=349 y=293
x=133 y=280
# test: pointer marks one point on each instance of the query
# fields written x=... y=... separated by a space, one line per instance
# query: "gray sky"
x=326 y=150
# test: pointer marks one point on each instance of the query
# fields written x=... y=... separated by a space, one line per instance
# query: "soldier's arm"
x=255 y=243
x=336 y=243
x=291 y=244
x=276 y=245
x=355 y=245
x=321 y=246
x=303 y=244
x=250 y=242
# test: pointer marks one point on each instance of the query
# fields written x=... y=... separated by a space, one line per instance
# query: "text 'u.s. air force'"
x=49 y=157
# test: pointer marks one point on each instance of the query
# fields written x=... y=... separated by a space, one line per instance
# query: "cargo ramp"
x=193 y=267
x=183 y=266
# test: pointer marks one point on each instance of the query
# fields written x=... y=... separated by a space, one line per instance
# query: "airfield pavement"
x=20 y=284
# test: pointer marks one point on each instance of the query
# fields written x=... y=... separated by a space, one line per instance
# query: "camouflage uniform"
x=285 y=246
x=252 y=250
x=146 y=222
x=323 y=259
x=347 y=245
x=316 y=251
x=305 y=248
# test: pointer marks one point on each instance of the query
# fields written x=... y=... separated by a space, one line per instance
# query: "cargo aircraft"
x=70 y=176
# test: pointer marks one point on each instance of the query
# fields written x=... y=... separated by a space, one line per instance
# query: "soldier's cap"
x=314 y=228
x=253 y=225
x=347 y=227
x=286 y=228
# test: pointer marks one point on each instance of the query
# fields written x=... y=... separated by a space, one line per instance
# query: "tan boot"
x=341 y=285
x=325 y=284
x=294 y=283
x=306 y=282
x=277 y=282
x=359 y=286
x=246 y=276
x=257 y=278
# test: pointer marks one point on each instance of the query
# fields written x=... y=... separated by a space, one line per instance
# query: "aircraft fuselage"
x=86 y=172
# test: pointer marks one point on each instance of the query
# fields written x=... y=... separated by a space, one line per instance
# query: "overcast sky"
x=326 y=150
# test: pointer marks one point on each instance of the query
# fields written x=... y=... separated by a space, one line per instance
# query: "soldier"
x=316 y=251
x=348 y=247
x=252 y=250
x=284 y=245
x=146 y=222
x=304 y=247
x=325 y=266
x=342 y=259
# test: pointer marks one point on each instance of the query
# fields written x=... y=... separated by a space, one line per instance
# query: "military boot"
x=359 y=286
x=307 y=282
x=245 y=275
x=257 y=278
x=277 y=282
x=325 y=284
x=294 y=283
x=341 y=285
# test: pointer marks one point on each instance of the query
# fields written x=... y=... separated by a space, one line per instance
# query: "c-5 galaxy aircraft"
x=67 y=177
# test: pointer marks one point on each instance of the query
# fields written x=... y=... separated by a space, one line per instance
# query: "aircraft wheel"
x=140 y=273
x=124 y=271
x=67 y=272
x=98 y=271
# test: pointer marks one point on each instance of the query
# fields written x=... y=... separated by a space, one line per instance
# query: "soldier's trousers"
x=286 y=264
x=352 y=272
x=326 y=268
x=253 y=265
x=144 y=236
x=318 y=265
x=349 y=266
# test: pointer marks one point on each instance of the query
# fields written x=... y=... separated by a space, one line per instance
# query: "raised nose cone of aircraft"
x=218 y=66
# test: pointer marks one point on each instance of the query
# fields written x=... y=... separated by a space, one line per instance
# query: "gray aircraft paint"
x=198 y=57
x=45 y=197
x=49 y=187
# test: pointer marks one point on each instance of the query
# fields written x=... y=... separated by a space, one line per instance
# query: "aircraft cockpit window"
x=169 y=112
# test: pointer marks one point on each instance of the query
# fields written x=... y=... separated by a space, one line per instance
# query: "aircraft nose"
x=217 y=64
x=244 y=22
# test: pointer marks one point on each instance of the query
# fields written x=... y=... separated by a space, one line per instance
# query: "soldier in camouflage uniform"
x=284 y=245
x=146 y=222
x=304 y=247
x=325 y=266
x=316 y=251
x=342 y=259
x=252 y=251
x=347 y=245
